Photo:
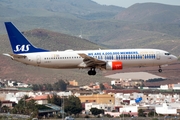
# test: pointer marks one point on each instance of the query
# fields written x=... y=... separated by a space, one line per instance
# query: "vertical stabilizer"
x=19 y=43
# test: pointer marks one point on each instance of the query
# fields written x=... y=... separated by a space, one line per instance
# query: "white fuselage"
x=72 y=59
x=117 y=59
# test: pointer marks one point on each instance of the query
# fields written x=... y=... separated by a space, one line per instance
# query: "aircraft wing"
x=91 y=61
x=14 y=55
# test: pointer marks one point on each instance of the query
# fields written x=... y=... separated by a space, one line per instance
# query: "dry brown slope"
x=46 y=39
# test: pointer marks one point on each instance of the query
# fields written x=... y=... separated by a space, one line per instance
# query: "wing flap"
x=91 y=61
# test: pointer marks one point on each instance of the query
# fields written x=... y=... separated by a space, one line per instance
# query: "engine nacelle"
x=114 y=65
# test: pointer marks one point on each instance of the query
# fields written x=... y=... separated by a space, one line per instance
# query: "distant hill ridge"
x=80 y=8
x=145 y=25
x=151 y=13
x=51 y=40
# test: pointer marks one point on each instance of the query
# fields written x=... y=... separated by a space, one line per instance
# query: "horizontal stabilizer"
x=14 y=55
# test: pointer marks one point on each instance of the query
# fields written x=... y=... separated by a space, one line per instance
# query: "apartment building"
x=98 y=98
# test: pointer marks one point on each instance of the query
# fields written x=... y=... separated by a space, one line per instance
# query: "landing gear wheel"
x=92 y=71
x=89 y=72
x=160 y=70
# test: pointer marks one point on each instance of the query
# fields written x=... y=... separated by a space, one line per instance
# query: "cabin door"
x=158 y=57
x=38 y=59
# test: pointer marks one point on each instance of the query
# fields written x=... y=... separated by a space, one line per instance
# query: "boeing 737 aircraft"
x=113 y=59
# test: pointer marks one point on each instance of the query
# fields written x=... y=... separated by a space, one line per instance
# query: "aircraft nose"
x=174 y=58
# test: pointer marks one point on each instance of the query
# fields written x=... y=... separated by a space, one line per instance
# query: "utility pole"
x=63 y=108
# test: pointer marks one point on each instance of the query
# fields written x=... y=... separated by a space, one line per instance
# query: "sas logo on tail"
x=22 y=48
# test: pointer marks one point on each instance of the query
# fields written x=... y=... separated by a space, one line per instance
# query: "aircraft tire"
x=160 y=70
x=91 y=72
x=94 y=72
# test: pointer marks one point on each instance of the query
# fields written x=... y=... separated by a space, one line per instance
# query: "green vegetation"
x=55 y=99
x=57 y=86
x=96 y=111
x=125 y=115
x=102 y=87
x=156 y=80
x=25 y=107
x=155 y=119
x=72 y=105
x=141 y=113
x=99 y=25
x=103 y=25
x=152 y=114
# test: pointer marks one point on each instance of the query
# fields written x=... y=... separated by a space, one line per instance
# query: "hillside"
x=150 y=13
x=58 y=41
x=46 y=39
x=12 y=70
x=130 y=37
x=73 y=17
x=78 y=8
x=52 y=40
x=146 y=25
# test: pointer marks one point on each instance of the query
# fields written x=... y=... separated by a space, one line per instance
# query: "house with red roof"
x=41 y=99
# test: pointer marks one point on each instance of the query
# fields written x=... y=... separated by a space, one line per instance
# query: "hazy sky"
x=127 y=3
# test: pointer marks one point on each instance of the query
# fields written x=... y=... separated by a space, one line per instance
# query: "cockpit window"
x=167 y=53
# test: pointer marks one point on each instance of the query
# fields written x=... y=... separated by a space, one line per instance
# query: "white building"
x=129 y=109
x=10 y=83
x=12 y=97
x=164 y=87
x=166 y=109
x=116 y=82
x=119 y=97
x=22 y=85
x=41 y=99
x=176 y=86
x=106 y=107
x=65 y=94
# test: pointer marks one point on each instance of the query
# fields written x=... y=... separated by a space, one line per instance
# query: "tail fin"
x=18 y=42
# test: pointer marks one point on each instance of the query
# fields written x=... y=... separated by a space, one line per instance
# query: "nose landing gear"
x=92 y=71
x=160 y=70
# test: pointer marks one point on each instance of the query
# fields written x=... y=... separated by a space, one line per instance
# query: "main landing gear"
x=160 y=70
x=92 y=71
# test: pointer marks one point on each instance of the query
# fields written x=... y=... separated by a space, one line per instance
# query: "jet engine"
x=114 y=65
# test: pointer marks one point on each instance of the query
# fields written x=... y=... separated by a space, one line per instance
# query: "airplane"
x=112 y=59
